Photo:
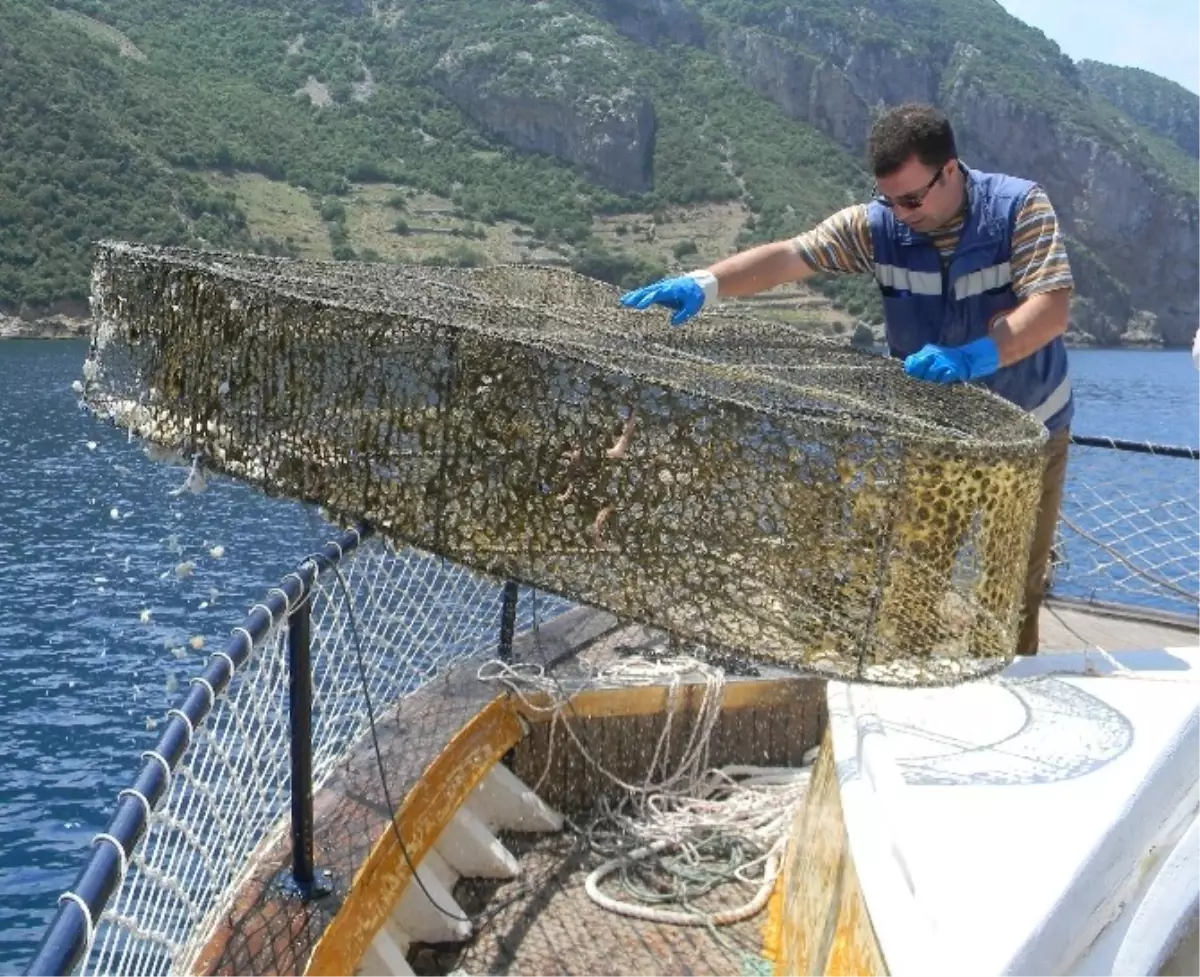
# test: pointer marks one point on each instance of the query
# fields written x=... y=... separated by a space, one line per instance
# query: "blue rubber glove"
x=954 y=364
x=685 y=295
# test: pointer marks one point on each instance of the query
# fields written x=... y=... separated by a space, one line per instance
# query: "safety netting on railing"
x=1129 y=531
x=212 y=802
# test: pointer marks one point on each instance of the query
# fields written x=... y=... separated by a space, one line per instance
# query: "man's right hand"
x=685 y=295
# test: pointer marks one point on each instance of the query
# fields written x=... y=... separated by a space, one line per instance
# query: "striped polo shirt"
x=842 y=244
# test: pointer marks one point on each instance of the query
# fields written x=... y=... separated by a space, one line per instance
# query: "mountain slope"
x=1128 y=202
x=1161 y=106
x=76 y=163
x=551 y=118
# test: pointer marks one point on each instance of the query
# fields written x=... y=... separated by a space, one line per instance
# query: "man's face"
x=923 y=197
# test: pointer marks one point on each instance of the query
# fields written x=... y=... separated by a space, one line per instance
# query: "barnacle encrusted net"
x=745 y=486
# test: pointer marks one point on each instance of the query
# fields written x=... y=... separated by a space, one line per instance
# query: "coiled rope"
x=687 y=828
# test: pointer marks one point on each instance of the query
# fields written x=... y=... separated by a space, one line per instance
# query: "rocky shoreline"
x=51 y=327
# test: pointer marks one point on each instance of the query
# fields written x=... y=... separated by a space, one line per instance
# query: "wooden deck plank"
x=1075 y=628
x=270 y=930
x=544 y=923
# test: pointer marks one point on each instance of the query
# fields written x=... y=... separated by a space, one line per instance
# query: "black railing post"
x=508 y=620
x=299 y=647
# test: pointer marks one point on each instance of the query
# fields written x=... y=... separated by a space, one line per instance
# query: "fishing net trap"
x=750 y=489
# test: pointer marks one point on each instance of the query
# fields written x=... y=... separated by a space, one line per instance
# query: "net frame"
x=745 y=487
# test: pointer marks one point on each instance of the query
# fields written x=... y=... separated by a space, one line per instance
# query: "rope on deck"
x=682 y=832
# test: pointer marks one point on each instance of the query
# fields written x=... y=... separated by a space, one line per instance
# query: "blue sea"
x=90 y=539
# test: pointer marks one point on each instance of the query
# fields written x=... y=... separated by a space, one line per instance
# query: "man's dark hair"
x=906 y=131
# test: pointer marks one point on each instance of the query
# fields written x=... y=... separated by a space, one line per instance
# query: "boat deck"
x=544 y=923
x=1068 y=626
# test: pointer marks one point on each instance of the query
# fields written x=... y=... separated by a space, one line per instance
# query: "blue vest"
x=926 y=303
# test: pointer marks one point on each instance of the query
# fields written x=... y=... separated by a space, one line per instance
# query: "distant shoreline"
x=51 y=327
x=65 y=328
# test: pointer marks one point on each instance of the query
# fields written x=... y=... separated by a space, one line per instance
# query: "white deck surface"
x=1014 y=825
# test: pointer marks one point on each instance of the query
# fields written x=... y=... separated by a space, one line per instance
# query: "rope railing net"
x=741 y=485
x=1129 y=531
x=412 y=617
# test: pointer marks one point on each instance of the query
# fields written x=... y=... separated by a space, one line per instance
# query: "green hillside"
x=102 y=144
x=1160 y=106
x=80 y=158
x=336 y=128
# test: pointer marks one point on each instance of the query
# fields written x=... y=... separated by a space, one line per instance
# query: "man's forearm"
x=1031 y=325
x=758 y=269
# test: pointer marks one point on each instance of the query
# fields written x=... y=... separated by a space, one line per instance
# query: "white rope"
x=162 y=762
x=688 y=809
x=191 y=730
x=207 y=685
x=120 y=849
x=140 y=797
x=89 y=932
x=671 y=917
x=232 y=666
x=1149 y=575
x=265 y=609
x=1129 y=541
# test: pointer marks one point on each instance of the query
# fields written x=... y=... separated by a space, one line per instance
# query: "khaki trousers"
x=1053 y=480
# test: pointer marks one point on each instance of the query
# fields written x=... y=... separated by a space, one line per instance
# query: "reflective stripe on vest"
x=905 y=280
x=983 y=280
x=1059 y=397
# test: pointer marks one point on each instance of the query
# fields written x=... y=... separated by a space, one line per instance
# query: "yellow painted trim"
x=772 y=931
x=422 y=817
x=824 y=927
x=649 y=700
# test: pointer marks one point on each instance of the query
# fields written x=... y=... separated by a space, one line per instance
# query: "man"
x=975 y=281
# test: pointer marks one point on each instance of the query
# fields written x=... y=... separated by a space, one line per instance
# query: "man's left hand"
x=954 y=364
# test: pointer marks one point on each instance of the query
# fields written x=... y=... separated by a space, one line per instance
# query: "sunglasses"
x=910 y=201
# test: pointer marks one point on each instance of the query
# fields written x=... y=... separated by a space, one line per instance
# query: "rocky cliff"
x=1018 y=104
x=538 y=104
x=1136 y=234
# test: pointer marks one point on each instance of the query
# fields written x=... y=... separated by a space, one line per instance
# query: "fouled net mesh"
x=746 y=487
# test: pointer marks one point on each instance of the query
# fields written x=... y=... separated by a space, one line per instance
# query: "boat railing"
x=1129 y=528
x=356 y=628
x=275 y=712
